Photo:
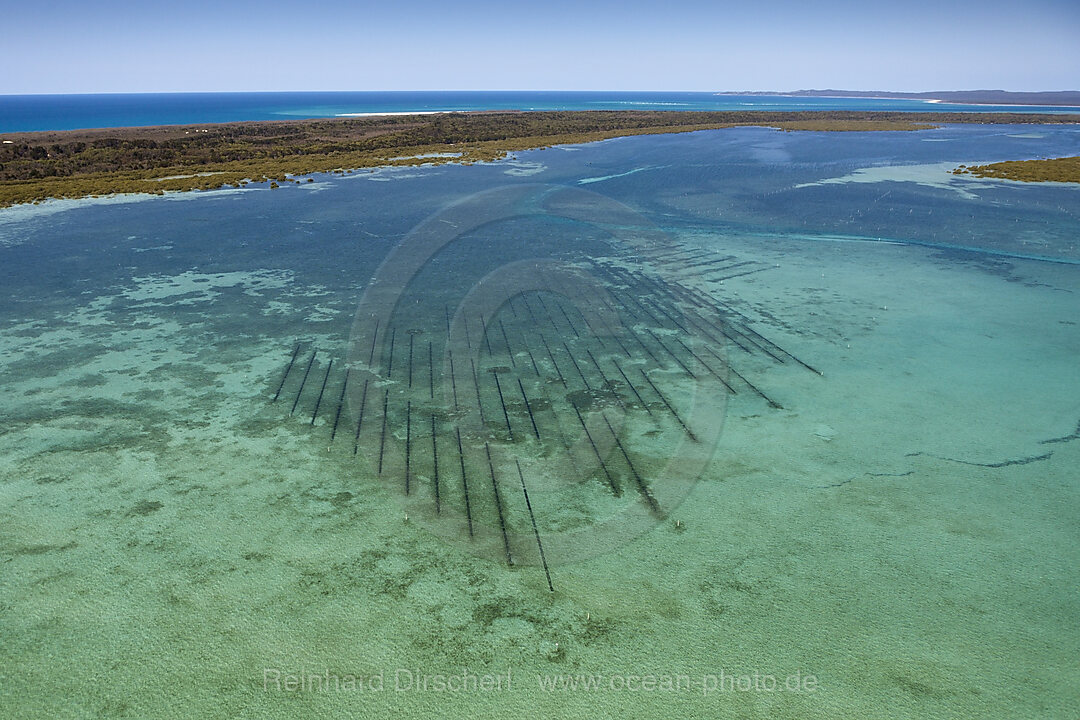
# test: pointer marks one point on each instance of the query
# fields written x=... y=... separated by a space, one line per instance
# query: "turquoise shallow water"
x=824 y=466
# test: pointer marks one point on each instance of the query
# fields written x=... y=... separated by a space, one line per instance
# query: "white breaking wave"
x=636 y=102
x=408 y=112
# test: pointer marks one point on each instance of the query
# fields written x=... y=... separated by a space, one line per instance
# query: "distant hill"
x=970 y=97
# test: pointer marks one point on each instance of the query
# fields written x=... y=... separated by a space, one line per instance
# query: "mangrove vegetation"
x=89 y=163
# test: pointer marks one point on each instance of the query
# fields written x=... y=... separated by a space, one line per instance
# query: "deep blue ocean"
x=23 y=113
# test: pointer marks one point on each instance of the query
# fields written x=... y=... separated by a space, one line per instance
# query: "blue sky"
x=240 y=45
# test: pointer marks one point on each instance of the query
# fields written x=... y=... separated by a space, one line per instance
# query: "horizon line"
x=548 y=90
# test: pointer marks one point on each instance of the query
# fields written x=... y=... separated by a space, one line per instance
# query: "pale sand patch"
x=424 y=156
x=523 y=168
x=391 y=173
x=936 y=175
x=183 y=177
x=202 y=285
x=322 y=313
x=386 y=114
x=12 y=217
x=602 y=178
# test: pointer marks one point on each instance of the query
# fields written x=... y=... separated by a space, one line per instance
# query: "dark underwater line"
x=921 y=243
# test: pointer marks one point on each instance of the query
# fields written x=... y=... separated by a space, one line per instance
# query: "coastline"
x=928 y=101
x=972 y=98
x=393 y=114
x=153 y=160
x=1041 y=170
x=28 y=113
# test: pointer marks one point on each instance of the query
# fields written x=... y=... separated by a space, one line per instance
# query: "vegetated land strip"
x=1065 y=169
x=87 y=163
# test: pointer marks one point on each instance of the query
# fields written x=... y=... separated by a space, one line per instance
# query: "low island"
x=88 y=163
x=1065 y=169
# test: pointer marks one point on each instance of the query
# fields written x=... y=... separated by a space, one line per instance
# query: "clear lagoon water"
x=20 y=113
x=779 y=407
